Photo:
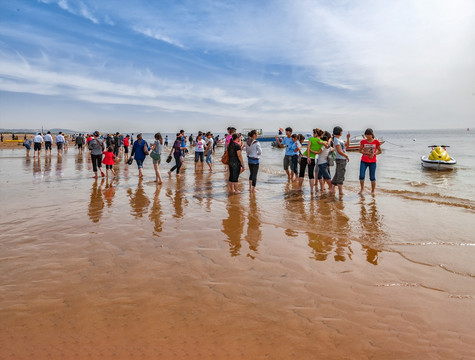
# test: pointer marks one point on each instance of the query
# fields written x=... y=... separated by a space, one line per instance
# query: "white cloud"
x=353 y=60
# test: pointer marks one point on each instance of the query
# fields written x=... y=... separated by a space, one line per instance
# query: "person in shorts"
x=126 y=147
x=289 y=152
x=27 y=144
x=80 y=142
x=341 y=159
x=60 y=142
x=199 y=150
x=48 y=139
x=37 y=141
x=156 y=155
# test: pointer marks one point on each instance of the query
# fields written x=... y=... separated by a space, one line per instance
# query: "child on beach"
x=108 y=160
x=341 y=159
x=314 y=146
x=369 y=148
x=295 y=148
x=323 y=174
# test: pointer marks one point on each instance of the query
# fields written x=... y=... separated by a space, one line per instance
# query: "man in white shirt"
x=48 y=139
x=60 y=142
x=38 y=140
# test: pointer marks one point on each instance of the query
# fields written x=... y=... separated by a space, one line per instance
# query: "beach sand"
x=126 y=269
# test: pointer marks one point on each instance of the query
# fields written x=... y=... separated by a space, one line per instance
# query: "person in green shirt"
x=314 y=147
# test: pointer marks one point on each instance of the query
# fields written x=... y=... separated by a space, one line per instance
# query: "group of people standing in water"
x=324 y=150
x=321 y=152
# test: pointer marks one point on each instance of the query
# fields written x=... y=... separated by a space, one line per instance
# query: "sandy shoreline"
x=126 y=269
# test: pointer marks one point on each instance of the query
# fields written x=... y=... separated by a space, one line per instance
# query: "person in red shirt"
x=108 y=160
x=126 y=147
x=369 y=148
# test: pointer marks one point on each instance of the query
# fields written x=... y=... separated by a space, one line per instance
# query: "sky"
x=164 y=65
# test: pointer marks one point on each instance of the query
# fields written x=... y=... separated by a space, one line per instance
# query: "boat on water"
x=438 y=159
x=260 y=136
x=355 y=142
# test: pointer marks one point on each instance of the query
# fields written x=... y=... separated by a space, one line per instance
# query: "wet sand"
x=125 y=269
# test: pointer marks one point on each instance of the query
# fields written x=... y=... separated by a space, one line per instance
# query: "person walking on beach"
x=236 y=164
x=126 y=147
x=253 y=151
x=48 y=139
x=80 y=142
x=209 y=150
x=108 y=160
x=183 y=146
x=177 y=154
x=37 y=141
x=341 y=159
x=323 y=171
x=199 y=151
x=314 y=146
x=27 y=144
x=166 y=140
x=140 y=150
x=2 y=137
x=287 y=143
x=60 y=142
x=96 y=145
x=369 y=148
x=117 y=143
x=156 y=155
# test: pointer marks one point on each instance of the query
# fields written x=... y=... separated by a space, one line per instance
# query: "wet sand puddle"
x=116 y=269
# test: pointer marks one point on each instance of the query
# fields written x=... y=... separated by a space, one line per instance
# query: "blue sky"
x=163 y=65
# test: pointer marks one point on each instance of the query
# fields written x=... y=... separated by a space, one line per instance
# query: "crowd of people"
x=322 y=151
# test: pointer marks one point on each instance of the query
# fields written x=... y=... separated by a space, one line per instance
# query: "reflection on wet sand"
x=79 y=161
x=371 y=233
x=233 y=225
x=109 y=192
x=333 y=235
x=96 y=203
x=156 y=213
x=59 y=166
x=37 y=173
x=177 y=197
x=138 y=200
x=254 y=232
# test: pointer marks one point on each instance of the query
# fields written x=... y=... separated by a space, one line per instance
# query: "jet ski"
x=438 y=159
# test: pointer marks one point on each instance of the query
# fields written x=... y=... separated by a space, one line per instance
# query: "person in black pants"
x=177 y=151
x=236 y=164
x=254 y=151
x=96 y=145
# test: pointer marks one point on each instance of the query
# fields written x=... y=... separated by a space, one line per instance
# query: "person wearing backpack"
x=140 y=150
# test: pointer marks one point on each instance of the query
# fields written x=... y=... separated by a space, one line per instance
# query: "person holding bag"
x=177 y=150
x=236 y=164
x=140 y=150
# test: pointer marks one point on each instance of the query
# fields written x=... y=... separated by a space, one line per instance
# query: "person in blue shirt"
x=289 y=150
x=140 y=150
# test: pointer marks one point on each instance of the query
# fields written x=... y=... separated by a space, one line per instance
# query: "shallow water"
x=127 y=269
